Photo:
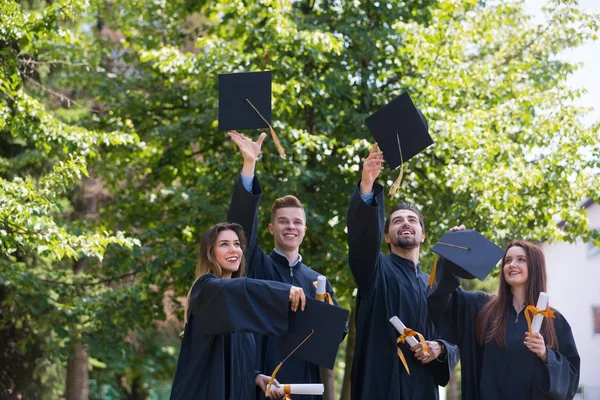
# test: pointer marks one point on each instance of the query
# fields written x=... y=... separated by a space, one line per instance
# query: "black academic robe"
x=217 y=360
x=490 y=372
x=274 y=267
x=388 y=286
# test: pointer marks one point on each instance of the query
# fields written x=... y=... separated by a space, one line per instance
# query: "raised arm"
x=245 y=199
x=365 y=221
x=221 y=306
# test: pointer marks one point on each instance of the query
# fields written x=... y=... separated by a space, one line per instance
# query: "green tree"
x=510 y=152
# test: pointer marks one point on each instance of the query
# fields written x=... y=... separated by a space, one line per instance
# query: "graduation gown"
x=490 y=372
x=274 y=267
x=217 y=360
x=388 y=286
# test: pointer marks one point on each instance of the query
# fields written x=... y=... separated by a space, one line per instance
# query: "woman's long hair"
x=492 y=320
x=207 y=263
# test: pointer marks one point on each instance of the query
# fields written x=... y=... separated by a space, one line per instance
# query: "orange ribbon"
x=533 y=310
x=402 y=339
x=272 y=380
x=287 y=390
x=323 y=297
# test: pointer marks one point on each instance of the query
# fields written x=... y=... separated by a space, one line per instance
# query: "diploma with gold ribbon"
x=538 y=313
x=302 y=388
x=407 y=336
x=321 y=285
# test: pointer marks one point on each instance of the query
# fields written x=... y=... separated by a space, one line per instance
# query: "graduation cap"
x=470 y=251
x=245 y=103
x=328 y=323
x=401 y=131
x=314 y=334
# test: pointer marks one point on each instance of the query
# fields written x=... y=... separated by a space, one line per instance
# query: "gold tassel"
x=433 y=272
x=272 y=380
x=398 y=180
x=273 y=134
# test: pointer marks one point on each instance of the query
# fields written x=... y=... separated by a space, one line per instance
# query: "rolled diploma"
x=321 y=284
x=400 y=328
x=304 y=388
x=542 y=304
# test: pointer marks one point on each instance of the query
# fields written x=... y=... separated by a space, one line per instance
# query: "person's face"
x=404 y=231
x=228 y=252
x=288 y=228
x=515 y=267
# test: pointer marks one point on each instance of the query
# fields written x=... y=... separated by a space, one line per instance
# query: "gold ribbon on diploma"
x=323 y=297
x=533 y=310
x=270 y=384
x=273 y=134
x=402 y=339
x=288 y=391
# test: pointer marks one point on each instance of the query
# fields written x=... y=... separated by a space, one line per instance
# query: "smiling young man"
x=283 y=264
x=391 y=285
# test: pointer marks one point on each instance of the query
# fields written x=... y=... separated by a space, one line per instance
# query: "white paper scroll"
x=542 y=304
x=321 y=284
x=400 y=328
x=303 y=388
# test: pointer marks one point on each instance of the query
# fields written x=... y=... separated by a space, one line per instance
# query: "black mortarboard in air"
x=401 y=132
x=399 y=121
x=245 y=102
x=328 y=323
x=470 y=251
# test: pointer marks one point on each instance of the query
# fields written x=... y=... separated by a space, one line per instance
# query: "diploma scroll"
x=321 y=285
x=303 y=388
x=542 y=304
x=400 y=327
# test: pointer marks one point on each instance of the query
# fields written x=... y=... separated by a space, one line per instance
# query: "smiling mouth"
x=232 y=259
x=290 y=235
x=405 y=233
x=513 y=273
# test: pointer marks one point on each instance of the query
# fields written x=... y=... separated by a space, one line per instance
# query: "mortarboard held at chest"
x=328 y=323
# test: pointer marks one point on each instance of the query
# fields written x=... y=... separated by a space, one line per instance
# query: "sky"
x=588 y=76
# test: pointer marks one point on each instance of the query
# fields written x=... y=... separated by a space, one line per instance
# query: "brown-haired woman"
x=498 y=358
x=218 y=356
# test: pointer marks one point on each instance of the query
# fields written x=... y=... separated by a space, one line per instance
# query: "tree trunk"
x=452 y=388
x=77 y=385
x=77 y=374
x=349 y=355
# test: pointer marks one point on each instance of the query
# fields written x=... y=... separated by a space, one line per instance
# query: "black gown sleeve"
x=559 y=378
x=243 y=210
x=442 y=369
x=222 y=306
x=365 y=232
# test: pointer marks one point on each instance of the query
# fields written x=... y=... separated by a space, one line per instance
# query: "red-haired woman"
x=499 y=360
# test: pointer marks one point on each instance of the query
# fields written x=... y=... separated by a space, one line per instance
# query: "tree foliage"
x=126 y=93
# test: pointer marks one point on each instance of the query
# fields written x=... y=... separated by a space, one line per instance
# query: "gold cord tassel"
x=433 y=272
x=398 y=180
x=273 y=134
x=272 y=380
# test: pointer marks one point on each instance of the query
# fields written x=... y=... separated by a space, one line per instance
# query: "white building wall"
x=574 y=288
